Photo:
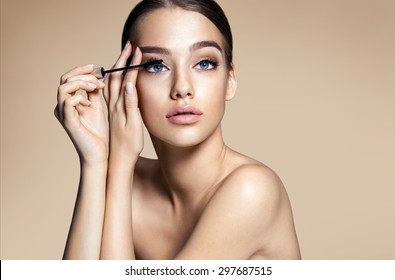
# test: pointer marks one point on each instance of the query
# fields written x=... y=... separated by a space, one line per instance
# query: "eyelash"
x=213 y=64
x=153 y=59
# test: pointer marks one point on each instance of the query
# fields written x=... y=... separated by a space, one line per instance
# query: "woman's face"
x=182 y=101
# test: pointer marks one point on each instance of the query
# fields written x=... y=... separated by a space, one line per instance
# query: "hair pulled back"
x=208 y=8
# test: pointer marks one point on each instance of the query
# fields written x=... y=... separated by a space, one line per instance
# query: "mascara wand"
x=101 y=72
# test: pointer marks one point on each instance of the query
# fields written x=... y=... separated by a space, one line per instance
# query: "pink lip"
x=184 y=115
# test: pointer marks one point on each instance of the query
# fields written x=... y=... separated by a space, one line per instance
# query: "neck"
x=191 y=174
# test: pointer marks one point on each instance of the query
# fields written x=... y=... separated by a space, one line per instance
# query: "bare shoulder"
x=257 y=193
x=263 y=198
x=248 y=217
x=252 y=181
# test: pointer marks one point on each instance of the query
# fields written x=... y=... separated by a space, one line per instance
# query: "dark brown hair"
x=208 y=8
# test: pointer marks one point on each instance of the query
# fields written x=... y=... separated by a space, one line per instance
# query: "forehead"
x=175 y=27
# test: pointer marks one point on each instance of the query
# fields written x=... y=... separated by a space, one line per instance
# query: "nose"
x=182 y=86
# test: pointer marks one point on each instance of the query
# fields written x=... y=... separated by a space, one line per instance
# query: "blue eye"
x=156 y=68
x=207 y=64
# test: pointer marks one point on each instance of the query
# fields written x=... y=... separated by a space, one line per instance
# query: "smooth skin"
x=200 y=199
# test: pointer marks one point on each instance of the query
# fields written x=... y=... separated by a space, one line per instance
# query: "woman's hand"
x=126 y=143
x=84 y=119
x=126 y=126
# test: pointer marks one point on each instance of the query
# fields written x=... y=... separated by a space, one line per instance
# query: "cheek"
x=151 y=86
x=150 y=83
x=211 y=90
x=151 y=98
x=211 y=99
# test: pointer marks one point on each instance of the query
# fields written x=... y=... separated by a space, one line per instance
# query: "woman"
x=200 y=199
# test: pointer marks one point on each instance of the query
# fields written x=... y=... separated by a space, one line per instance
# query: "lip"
x=184 y=115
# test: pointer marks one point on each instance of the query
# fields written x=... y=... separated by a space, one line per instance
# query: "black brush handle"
x=101 y=72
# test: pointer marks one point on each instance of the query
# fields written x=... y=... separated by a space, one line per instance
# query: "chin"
x=181 y=137
x=178 y=140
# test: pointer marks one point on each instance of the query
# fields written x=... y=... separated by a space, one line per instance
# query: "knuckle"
x=63 y=78
x=82 y=83
x=61 y=89
x=129 y=102
x=55 y=112
x=118 y=108
x=67 y=80
x=116 y=75
x=67 y=102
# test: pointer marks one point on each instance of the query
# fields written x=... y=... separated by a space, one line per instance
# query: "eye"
x=156 y=68
x=207 y=64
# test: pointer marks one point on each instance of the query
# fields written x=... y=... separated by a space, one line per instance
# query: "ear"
x=232 y=83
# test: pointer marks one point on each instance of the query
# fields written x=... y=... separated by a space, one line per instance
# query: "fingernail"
x=91 y=85
x=88 y=66
x=127 y=45
x=129 y=88
x=137 y=51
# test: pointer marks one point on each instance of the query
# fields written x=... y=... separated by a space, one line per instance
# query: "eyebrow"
x=158 y=50
x=205 y=44
x=193 y=47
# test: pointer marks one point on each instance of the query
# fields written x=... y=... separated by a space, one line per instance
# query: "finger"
x=123 y=57
x=131 y=104
x=106 y=90
x=94 y=96
x=115 y=79
x=86 y=69
x=131 y=75
x=56 y=112
x=87 y=77
x=70 y=113
x=69 y=89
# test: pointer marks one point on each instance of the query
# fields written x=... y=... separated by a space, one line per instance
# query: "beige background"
x=315 y=102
